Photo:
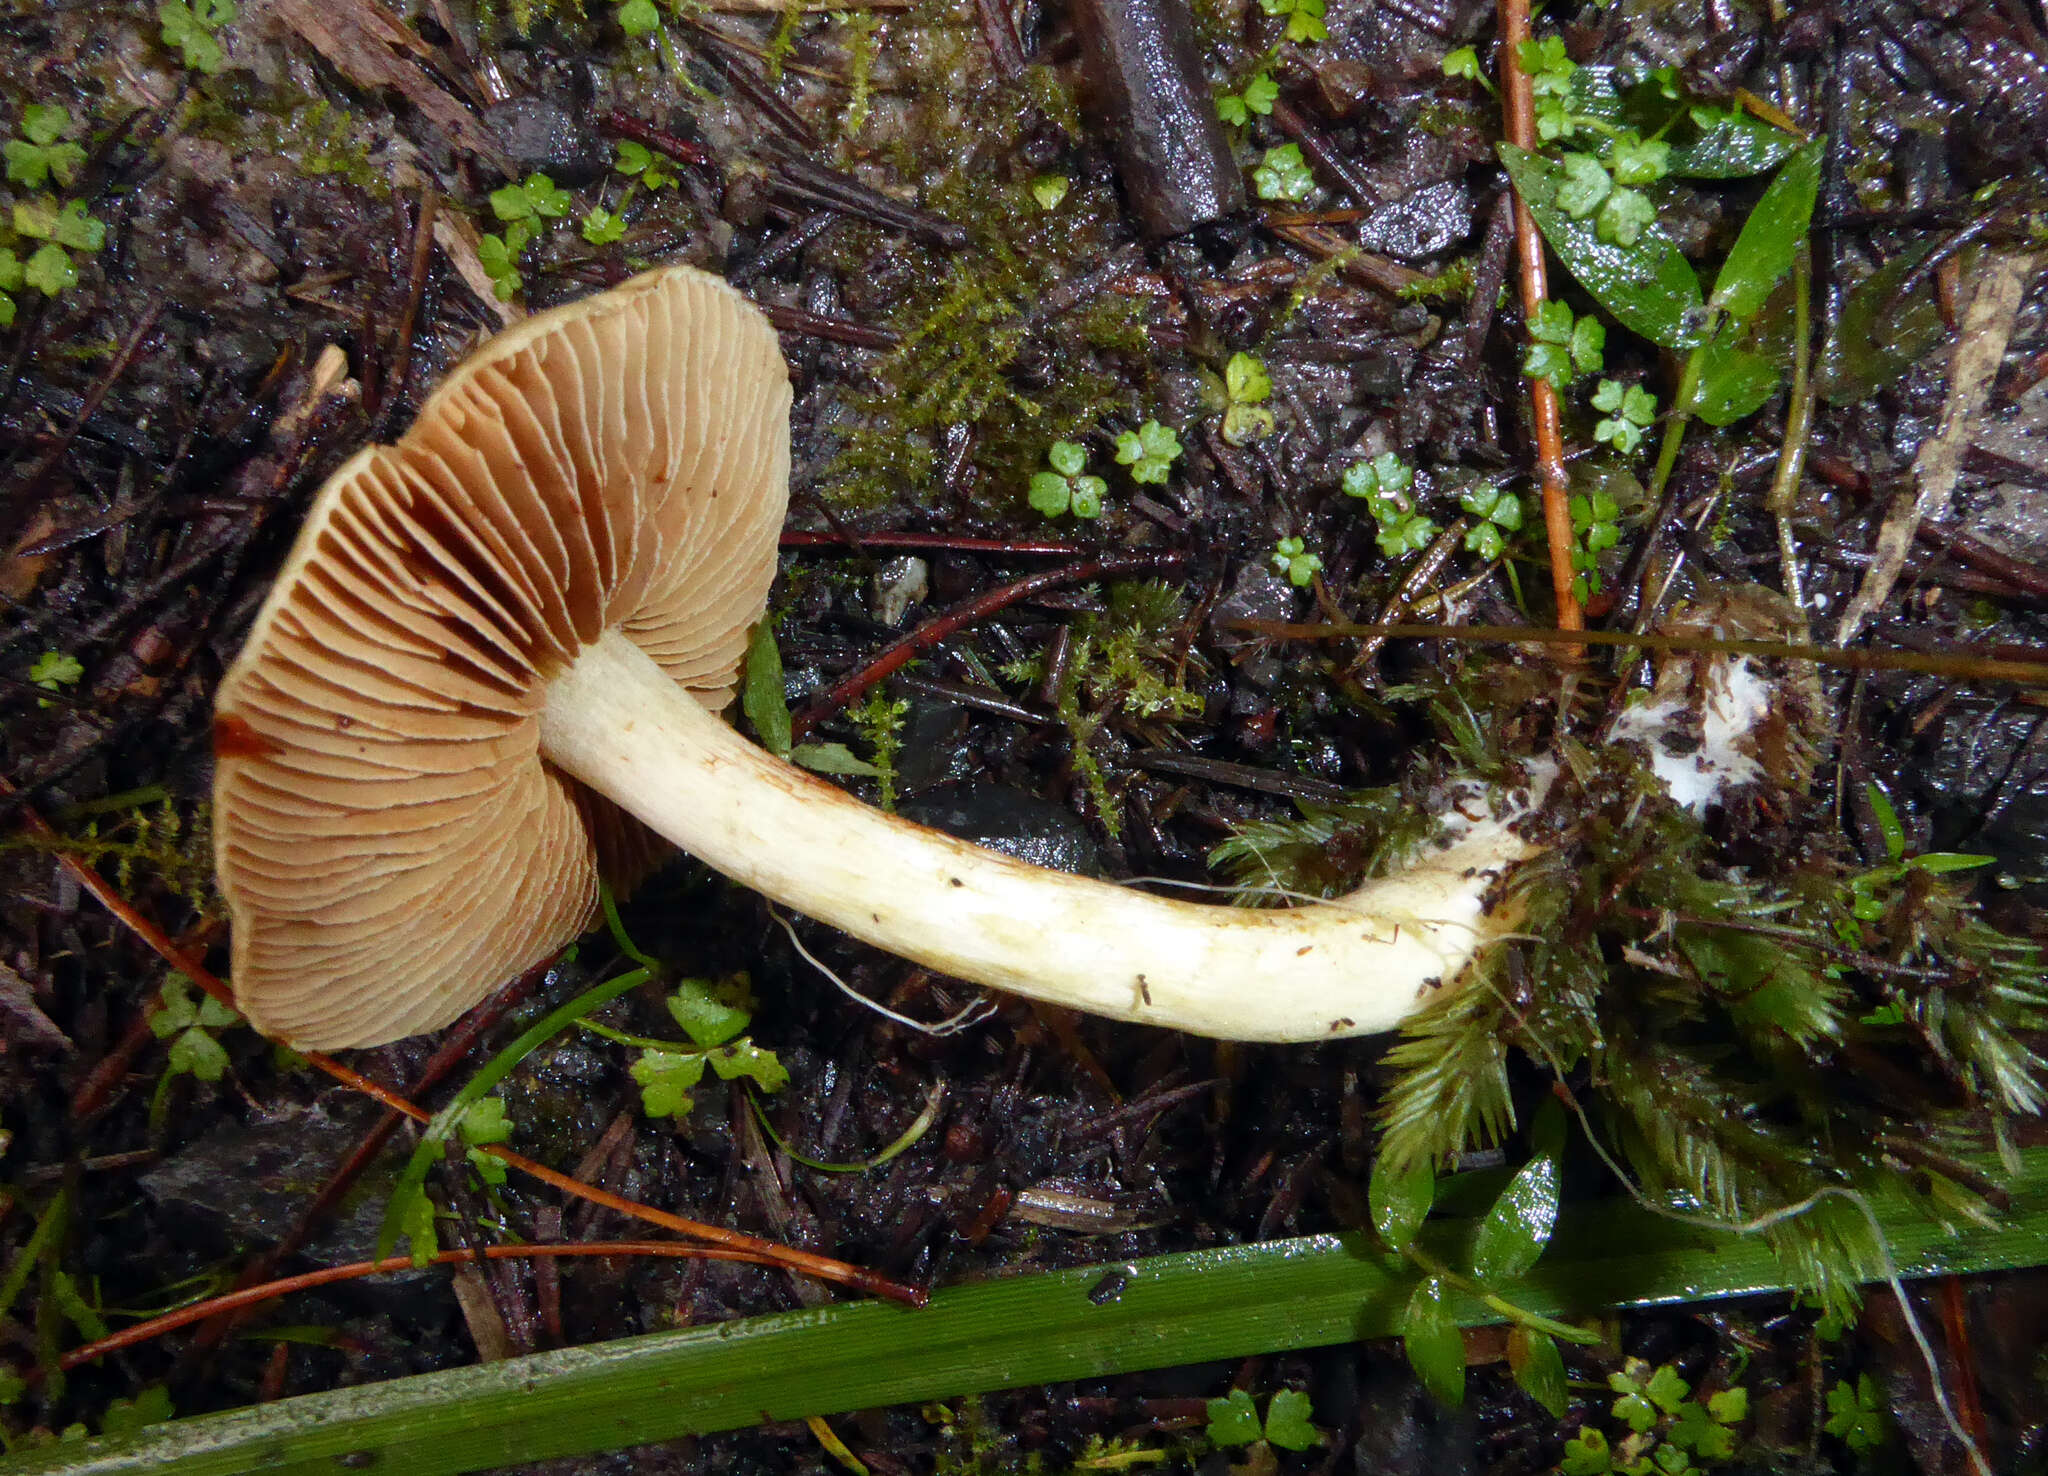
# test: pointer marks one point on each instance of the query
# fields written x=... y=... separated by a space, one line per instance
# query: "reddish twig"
x=822 y=1267
x=957 y=619
x=838 y=330
x=680 y=150
x=1518 y=107
x=1963 y=1383
x=247 y=1297
x=415 y=291
x=454 y=1045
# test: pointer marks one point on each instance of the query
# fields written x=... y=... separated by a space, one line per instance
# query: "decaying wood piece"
x=369 y=46
x=1144 y=78
x=1987 y=326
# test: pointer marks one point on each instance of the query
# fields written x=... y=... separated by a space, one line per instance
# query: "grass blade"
x=999 y=1334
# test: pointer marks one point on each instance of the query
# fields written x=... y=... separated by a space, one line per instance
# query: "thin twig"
x=822 y=1267
x=251 y=1296
x=1963 y=666
x=952 y=622
x=1518 y=107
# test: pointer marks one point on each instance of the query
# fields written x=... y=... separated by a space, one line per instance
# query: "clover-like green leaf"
x=1284 y=175
x=666 y=1080
x=198 y=1053
x=743 y=1059
x=54 y=670
x=710 y=1014
x=1287 y=1421
x=1149 y=451
x=1586 y=183
x=1245 y=380
x=1587 y=1454
x=1856 y=1416
x=602 y=227
x=1233 y=1419
x=1050 y=494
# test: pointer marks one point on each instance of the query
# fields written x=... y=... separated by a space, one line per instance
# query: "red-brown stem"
x=236 y=1301
x=1955 y=1326
x=821 y=1267
x=941 y=627
x=680 y=150
x=454 y=1045
x=1518 y=109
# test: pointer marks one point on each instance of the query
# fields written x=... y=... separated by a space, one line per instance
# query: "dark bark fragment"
x=1145 y=81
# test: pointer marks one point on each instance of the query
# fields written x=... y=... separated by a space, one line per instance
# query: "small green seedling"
x=485 y=1123
x=1596 y=524
x=53 y=671
x=1049 y=190
x=1385 y=485
x=1067 y=488
x=712 y=1015
x=125 y=1416
x=1284 y=175
x=639 y=18
x=524 y=208
x=62 y=229
x=189 y=1026
x=1668 y=1433
x=1464 y=63
x=1304 y=18
x=1246 y=388
x=1868 y=894
x=535 y=199
x=602 y=227
x=1563 y=345
x=191 y=27
x=1856 y=1414
x=1149 y=451
x=1290 y=559
x=1630 y=412
x=1234 y=1420
x=1258 y=96
x=1496 y=513
x=1550 y=80
x=643 y=165
x=42 y=153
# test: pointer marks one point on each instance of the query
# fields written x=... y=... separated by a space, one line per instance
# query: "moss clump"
x=1740 y=1041
x=978 y=348
x=148 y=843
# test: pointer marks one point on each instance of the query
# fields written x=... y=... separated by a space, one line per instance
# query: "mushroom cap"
x=389 y=839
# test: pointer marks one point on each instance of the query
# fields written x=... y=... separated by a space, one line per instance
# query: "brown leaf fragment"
x=22 y=1021
x=367 y=45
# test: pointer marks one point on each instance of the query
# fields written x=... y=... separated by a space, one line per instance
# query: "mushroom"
x=489 y=675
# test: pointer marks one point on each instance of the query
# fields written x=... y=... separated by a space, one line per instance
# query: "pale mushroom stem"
x=1351 y=966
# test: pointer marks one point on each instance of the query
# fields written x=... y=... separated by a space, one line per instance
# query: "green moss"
x=319 y=138
x=148 y=843
x=971 y=326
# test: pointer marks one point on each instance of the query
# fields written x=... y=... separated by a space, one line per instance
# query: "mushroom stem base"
x=1351 y=966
